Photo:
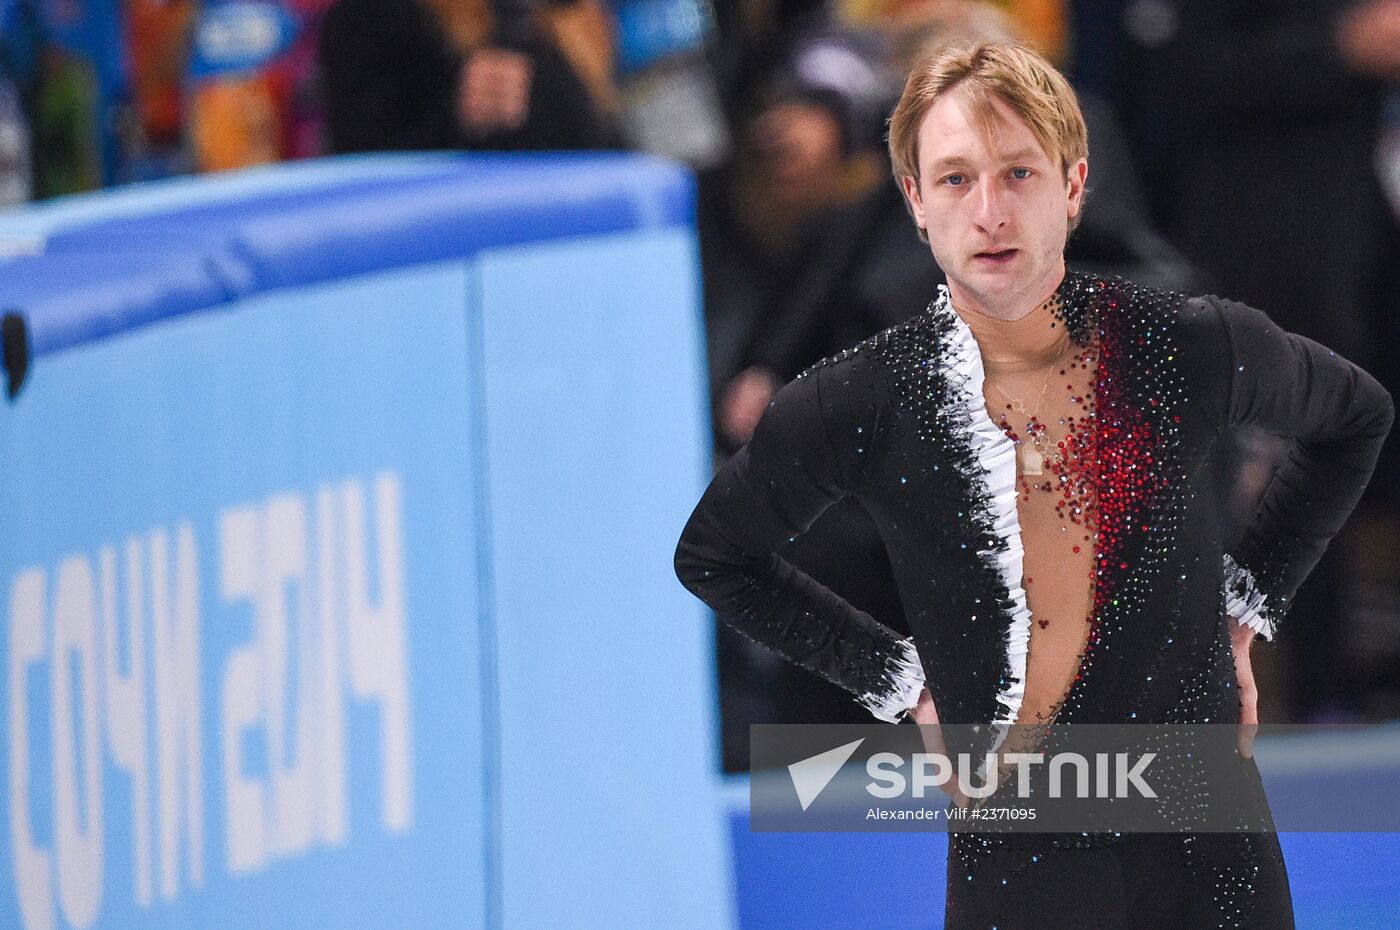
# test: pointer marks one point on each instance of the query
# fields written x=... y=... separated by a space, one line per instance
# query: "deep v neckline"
x=996 y=453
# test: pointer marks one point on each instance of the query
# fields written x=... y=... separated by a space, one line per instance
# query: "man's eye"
x=1020 y=174
x=954 y=180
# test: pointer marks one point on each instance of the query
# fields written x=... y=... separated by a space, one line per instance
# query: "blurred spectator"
x=671 y=99
x=809 y=144
x=19 y=41
x=1258 y=122
x=1041 y=24
x=58 y=63
x=1270 y=184
x=247 y=80
x=437 y=74
x=1368 y=35
x=754 y=33
x=157 y=39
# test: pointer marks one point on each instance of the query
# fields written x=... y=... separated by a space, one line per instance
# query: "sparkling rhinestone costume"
x=901 y=422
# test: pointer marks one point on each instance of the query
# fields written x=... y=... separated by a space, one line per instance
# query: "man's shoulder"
x=881 y=354
x=1172 y=342
x=1200 y=321
x=1144 y=308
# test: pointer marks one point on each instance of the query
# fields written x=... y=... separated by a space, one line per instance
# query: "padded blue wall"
x=339 y=508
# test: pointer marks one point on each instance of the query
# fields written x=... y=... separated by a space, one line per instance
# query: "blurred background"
x=1250 y=149
x=1243 y=149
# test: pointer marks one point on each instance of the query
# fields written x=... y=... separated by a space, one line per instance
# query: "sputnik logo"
x=810 y=776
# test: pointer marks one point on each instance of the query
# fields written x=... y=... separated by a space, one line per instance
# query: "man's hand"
x=493 y=91
x=1241 y=637
x=924 y=711
x=925 y=714
x=1368 y=35
x=744 y=401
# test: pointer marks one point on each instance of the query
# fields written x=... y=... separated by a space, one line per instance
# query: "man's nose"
x=989 y=207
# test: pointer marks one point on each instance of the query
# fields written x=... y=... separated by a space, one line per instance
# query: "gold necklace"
x=1029 y=457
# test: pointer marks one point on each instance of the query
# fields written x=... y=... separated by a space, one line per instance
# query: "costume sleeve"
x=770 y=491
x=1338 y=417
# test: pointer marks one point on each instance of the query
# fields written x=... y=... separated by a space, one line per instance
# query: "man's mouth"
x=996 y=256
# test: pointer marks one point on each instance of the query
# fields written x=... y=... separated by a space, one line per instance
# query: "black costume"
x=899 y=423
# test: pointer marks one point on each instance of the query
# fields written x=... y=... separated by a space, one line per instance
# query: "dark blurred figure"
x=20 y=41
x=807 y=144
x=1271 y=184
x=1257 y=123
x=443 y=74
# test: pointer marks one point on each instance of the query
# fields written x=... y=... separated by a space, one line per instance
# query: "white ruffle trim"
x=997 y=454
x=1244 y=601
x=906 y=675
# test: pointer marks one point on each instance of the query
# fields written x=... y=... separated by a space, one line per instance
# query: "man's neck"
x=1019 y=341
x=1008 y=307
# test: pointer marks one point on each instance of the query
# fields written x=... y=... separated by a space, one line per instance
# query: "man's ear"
x=1078 y=175
x=910 y=186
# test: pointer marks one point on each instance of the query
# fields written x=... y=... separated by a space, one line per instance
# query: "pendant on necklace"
x=1032 y=462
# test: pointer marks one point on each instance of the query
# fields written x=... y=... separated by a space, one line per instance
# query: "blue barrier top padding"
x=108 y=262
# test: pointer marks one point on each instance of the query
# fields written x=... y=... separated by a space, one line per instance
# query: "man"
x=1032 y=450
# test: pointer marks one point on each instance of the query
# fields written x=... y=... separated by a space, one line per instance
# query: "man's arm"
x=1338 y=416
x=804 y=455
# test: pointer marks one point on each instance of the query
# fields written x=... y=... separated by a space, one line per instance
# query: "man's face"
x=996 y=209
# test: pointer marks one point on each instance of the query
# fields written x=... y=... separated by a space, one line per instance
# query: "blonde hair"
x=1020 y=77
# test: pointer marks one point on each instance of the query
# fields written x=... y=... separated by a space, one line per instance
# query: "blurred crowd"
x=1245 y=147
